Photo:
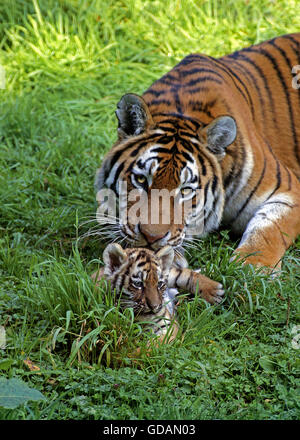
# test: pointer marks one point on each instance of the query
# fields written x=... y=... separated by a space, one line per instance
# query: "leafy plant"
x=14 y=392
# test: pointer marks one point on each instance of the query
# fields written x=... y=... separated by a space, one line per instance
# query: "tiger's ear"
x=166 y=257
x=220 y=134
x=133 y=115
x=113 y=258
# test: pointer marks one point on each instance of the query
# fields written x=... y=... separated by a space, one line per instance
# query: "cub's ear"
x=113 y=257
x=166 y=257
x=220 y=134
x=133 y=115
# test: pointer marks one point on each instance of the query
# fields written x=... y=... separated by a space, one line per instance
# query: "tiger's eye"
x=161 y=284
x=141 y=179
x=137 y=284
x=186 y=191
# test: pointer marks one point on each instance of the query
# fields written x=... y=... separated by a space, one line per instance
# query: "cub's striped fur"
x=147 y=281
x=229 y=127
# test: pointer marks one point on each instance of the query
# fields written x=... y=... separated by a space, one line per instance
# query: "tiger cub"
x=148 y=281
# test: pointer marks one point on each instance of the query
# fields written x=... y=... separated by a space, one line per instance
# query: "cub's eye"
x=141 y=179
x=161 y=284
x=186 y=191
x=137 y=284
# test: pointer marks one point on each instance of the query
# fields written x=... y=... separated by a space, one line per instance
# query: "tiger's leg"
x=194 y=282
x=271 y=231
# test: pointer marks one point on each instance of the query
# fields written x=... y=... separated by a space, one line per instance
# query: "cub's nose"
x=154 y=307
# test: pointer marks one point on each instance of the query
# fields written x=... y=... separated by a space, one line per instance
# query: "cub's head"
x=164 y=172
x=140 y=274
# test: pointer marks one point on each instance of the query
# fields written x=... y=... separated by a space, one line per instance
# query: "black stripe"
x=186 y=133
x=286 y=93
x=161 y=150
x=179 y=117
x=205 y=192
x=289 y=178
x=212 y=211
x=201 y=70
x=159 y=101
x=115 y=158
x=203 y=167
x=278 y=172
x=187 y=145
x=168 y=79
x=142 y=164
x=165 y=140
x=289 y=64
x=232 y=73
x=253 y=190
x=196 y=90
x=129 y=168
x=187 y=157
x=278 y=177
x=190 y=59
x=243 y=57
x=292 y=39
x=228 y=179
x=214 y=184
x=133 y=143
x=176 y=279
x=241 y=68
x=237 y=167
x=155 y=93
x=117 y=173
x=177 y=102
x=200 y=107
x=140 y=145
x=195 y=81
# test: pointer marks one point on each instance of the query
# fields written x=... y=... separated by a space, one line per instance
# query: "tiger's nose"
x=150 y=237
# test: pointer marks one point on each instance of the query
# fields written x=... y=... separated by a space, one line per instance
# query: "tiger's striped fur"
x=148 y=282
x=228 y=126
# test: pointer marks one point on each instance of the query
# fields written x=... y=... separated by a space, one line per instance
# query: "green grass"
x=67 y=63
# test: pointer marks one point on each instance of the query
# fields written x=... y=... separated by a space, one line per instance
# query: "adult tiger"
x=229 y=126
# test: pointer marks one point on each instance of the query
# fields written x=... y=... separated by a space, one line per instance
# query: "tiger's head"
x=170 y=166
x=140 y=274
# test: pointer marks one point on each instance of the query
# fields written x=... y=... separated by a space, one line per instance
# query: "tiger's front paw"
x=209 y=290
x=213 y=293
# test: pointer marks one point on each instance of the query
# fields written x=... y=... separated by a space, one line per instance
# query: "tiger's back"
x=255 y=83
x=274 y=99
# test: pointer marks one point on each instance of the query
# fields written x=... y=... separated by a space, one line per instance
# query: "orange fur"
x=251 y=181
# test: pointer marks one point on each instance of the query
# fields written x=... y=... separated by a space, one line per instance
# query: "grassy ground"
x=67 y=63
